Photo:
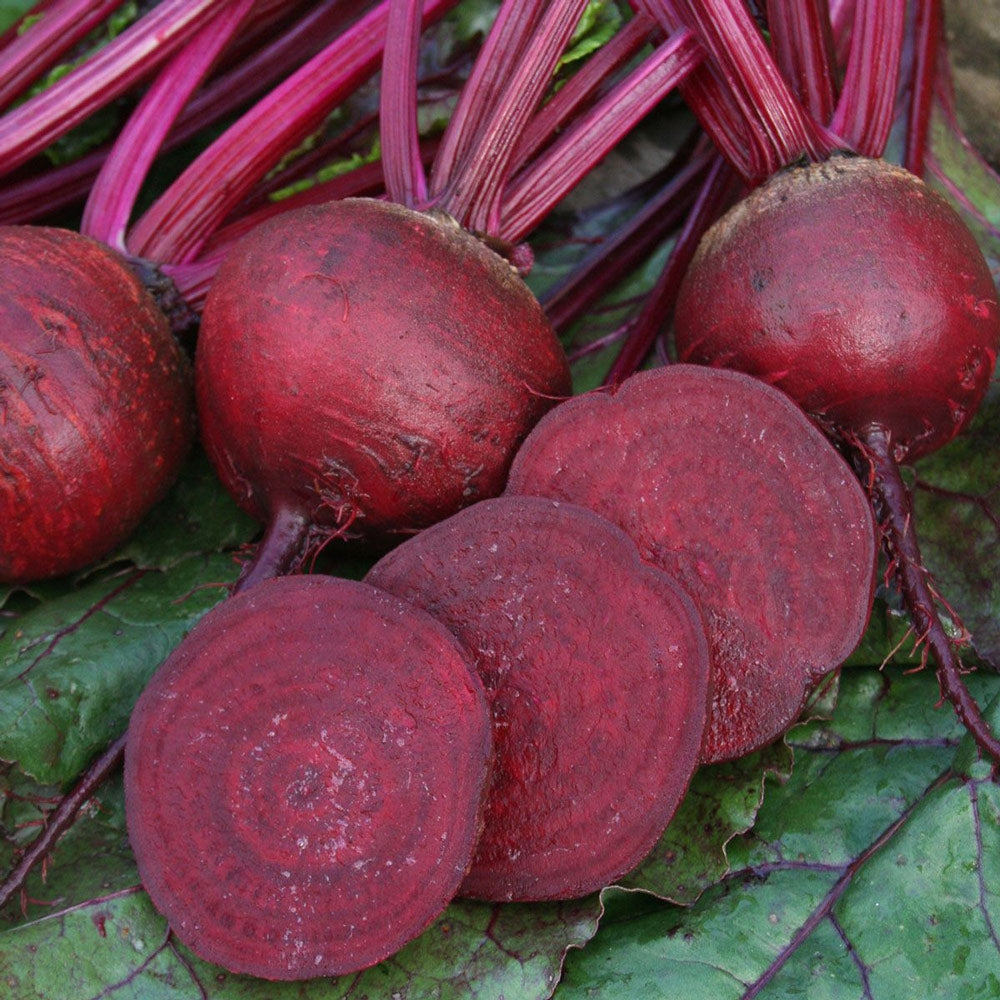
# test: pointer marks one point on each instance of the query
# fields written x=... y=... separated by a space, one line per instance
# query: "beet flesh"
x=368 y=367
x=596 y=670
x=724 y=483
x=303 y=778
x=856 y=289
x=96 y=402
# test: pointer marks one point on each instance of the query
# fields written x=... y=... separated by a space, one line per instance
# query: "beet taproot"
x=304 y=776
x=724 y=483
x=367 y=369
x=596 y=670
x=96 y=402
x=856 y=289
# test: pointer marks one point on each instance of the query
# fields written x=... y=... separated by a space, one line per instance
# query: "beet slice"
x=96 y=402
x=723 y=482
x=596 y=669
x=303 y=778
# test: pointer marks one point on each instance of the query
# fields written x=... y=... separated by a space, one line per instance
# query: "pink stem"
x=514 y=24
x=864 y=114
x=36 y=196
x=133 y=55
x=779 y=128
x=621 y=252
x=928 y=42
x=659 y=304
x=802 y=39
x=536 y=190
x=473 y=196
x=113 y=196
x=582 y=87
x=180 y=221
x=27 y=56
x=404 y=170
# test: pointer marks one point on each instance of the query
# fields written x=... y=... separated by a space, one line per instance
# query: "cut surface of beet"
x=365 y=366
x=596 y=669
x=723 y=482
x=96 y=402
x=304 y=778
x=858 y=290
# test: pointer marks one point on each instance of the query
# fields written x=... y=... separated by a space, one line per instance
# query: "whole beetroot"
x=96 y=403
x=858 y=290
x=368 y=369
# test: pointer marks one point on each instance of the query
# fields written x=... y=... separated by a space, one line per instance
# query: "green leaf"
x=958 y=519
x=874 y=871
x=722 y=802
x=117 y=945
x=12 y=10
x=93 y=858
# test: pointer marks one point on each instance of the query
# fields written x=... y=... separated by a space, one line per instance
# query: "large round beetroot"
x=723 y=482
x=362 y=366
x=96 y=407
x=856 y=289
x=596 y=670
x=303 y=778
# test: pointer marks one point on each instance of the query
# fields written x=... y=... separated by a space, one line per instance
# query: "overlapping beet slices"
x=723 y=482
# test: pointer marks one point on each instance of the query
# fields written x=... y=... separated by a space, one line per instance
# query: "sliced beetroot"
x=366 y=368
x=723 y=482
x=96 y=402
x=596 y=669
x=303 y=778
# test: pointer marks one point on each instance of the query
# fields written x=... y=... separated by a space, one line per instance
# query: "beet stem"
x=659 y=304
x=133 y=55
x=61 y=818
x=113 y=196
x=474 y=195
x=892 y=501
x=864 y=114
x=515 y=21
x=177 y=225
x=536 y=190
x=802 y=38
x=622 y=251
x=59 y=28
x=584 y=86
x=928 y=42
x=778 y=130
x=405 y=179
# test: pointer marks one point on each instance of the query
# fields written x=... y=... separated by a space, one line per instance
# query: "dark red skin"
x=596 y=669
x=304 y=777
x=725 y=484
x=96 y=402
x=363 y=364
x=856 y=289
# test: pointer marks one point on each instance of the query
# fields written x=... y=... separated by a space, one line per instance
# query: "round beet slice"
x=596 y=670
x=723 y=482
x=303 y=778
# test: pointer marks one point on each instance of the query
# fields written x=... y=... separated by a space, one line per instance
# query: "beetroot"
x=303 y=778
x=366 y=368
x=95 y=402
x=724 y=483
x=596 y=669
x=857 y=290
